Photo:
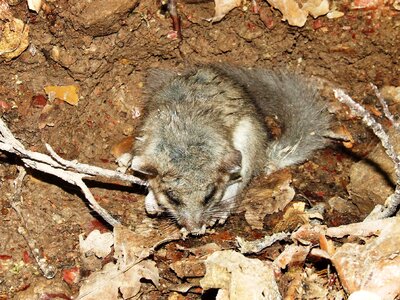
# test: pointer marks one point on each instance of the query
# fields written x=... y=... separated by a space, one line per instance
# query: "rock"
x=373 y=179
x=335 y=14
x=100 y=17
x=342 y=206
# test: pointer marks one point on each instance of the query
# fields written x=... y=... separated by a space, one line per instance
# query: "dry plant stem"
x=94 y=171
x=176 y=20
x=249 y=247
x=48 y=165
x=385 y=107
x=47 y=270
x=393 y=201
x=256 y=8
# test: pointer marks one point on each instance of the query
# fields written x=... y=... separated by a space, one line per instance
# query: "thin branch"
x=60 y=168
x=176 y=20
x=385 y=107
x=93 y=170
x=249 y=247
x=47 y=270
x=393 y=201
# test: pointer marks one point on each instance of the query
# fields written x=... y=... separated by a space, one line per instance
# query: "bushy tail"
x=295 y=101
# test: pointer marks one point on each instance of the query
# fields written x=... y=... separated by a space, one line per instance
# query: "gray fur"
x=204 y=131
x=295 y=102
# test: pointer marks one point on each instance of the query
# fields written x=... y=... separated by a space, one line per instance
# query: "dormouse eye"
x=172 y=198
x=235 y=177
x=210 y=195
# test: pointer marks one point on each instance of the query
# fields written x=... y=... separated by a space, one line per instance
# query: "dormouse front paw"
x=151 y=205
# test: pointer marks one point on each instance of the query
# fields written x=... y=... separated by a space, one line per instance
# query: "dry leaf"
x=123 y=277
x=239 y=277
x=67 y=93
x=14 y=39
x=308 y=234
x=375 y=266
x=313 y=286
x=222 y=7
x=5 y=12
x=112 y=281
x=204 y=250
x=123 y=146
x=373 y=178
x=292 y=254
x=361 y=229
x=290 y=11
x=316 y=8
x=293 y=217
x=275 y=194
x=391 y=93
x=296 y=15
x=188 y=267
x=97 y=243
x=364 y=295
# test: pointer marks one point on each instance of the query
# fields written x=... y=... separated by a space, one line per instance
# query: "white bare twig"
x=393 y=201
x=250 y=247
x=93 y=170
x=385 y=107
x=47 y=270
x=62 y=168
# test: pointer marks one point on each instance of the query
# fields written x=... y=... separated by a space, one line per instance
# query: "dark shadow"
x=210 y=294
x=102 y=184
x=12 y=159
x=371 y=163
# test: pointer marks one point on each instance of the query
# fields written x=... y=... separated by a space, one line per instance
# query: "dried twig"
x=385 y=107
x=93 y=170
x=47 y=270
x=176 y=20
x=61 y=168
x=393 y=201
x=248 y=247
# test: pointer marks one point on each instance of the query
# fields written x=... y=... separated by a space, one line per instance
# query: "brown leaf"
x=275 y=194
x=375 y=266
x=239 y=277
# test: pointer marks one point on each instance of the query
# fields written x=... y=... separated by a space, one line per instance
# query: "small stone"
x=335 y=14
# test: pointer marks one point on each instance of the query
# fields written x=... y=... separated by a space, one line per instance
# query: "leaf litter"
x=123 y=277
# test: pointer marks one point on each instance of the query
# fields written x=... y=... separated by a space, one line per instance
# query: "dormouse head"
x=190 y=187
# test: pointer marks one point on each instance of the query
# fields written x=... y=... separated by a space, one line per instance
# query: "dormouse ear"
x=140 y=164
x=232 y=163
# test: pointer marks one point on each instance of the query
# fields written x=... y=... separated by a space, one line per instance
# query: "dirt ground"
x=106 y=58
